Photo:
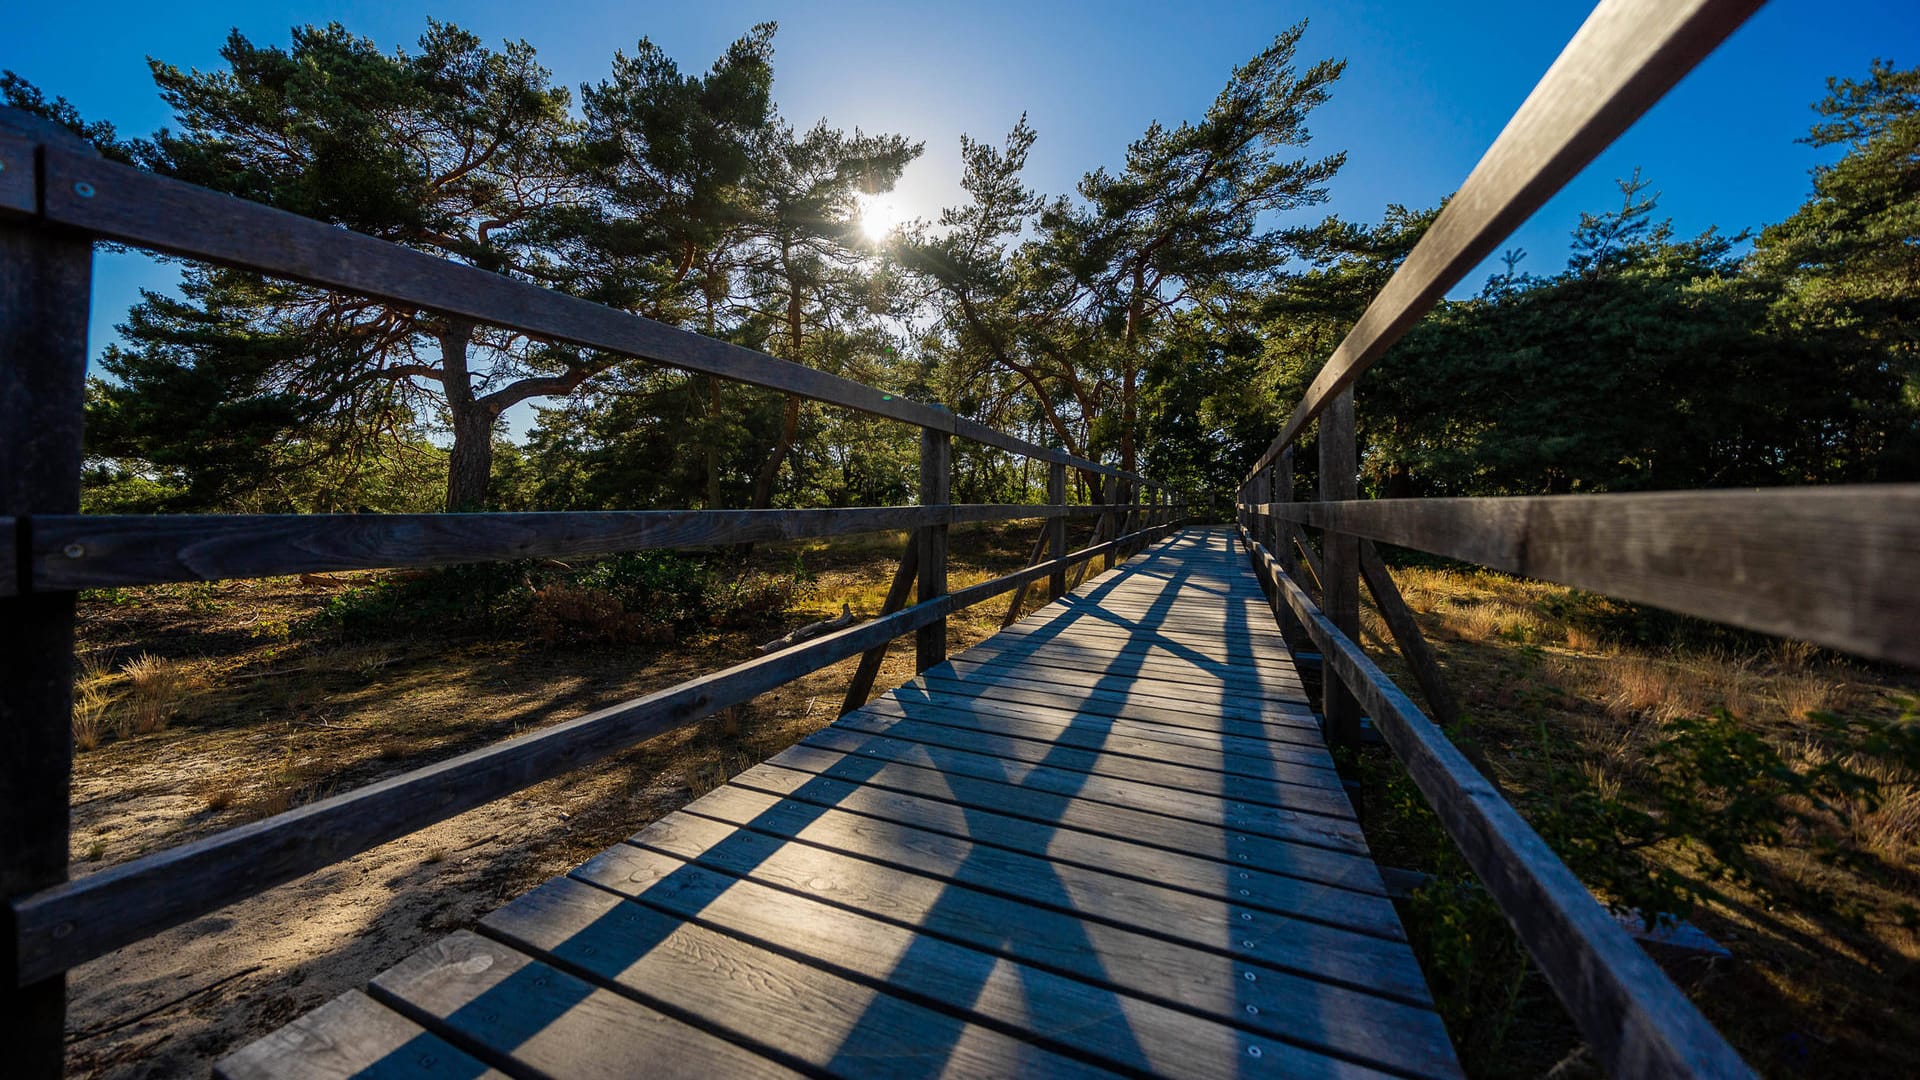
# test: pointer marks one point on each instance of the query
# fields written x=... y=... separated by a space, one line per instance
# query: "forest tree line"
x=1165 y=317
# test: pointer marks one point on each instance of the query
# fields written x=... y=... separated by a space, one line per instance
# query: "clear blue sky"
x=1422 y=97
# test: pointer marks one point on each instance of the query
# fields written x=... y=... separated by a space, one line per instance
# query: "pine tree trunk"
x=470 y=465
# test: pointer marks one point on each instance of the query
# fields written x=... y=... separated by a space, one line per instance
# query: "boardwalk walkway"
x=1107 y=840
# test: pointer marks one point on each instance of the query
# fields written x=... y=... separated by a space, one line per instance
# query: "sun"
x=879 y=214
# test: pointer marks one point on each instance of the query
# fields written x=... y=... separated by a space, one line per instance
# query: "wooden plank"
x=1048 y=841
x=1109 y=701
x=1208 y=808
x=827 y=1002
x=1157 y=672
x=1073 y=945
x=46 y=276
x=1082 y=993
x=1762 y=560
x=1637 y=1021
x=1157 y=676
x=1625 y=57
x=1217 y=841
x=1274 y=791
x=92 y=551
x=1312 y=949
x=1254 y=741
x=135 y=207
x=513 y=1008
x=351 y=1036
x=1195 y=649
x=1083 y=740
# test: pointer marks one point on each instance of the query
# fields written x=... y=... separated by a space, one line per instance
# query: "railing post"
x=1108 y=496
x=1340 y=558
x=1057 y=529
x=1280 y=542
x=936 y=474
x=45 y=285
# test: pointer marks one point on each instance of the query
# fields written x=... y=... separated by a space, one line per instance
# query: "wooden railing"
x=56 y=199
x=1839 y=566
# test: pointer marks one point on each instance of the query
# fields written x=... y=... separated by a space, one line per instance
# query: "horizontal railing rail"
x=85 y=551
x=56 y=198
x=121 y=203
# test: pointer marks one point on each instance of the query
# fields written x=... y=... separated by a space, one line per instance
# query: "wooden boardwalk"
x=1108 y=840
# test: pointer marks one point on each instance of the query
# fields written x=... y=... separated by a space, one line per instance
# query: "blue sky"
x=1422 y=97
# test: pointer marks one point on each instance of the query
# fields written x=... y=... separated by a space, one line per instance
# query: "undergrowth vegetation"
x=1768 y=791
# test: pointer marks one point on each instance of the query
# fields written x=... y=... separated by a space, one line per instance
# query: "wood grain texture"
x=1637 y=1021
x=1763 y=560
x=46 y=276
x=351 y=1036
x=88 y=551
x=1339 y=570
x=513 y=1007
x=1625 y=57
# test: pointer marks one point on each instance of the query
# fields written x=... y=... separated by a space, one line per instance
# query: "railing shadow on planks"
x=1838 y=566
x=56 y=199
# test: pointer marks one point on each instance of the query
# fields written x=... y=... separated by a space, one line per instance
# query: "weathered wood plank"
x=960 y=953
x=1762 y=560
x=1147 y=664
x=1638 y=1022
x=1208 y=808
x=1099 y=732
x=1218 y=841
x=1078 y=946
x=1088 y=668
x=827 y=1002
x=84 y=551
x=1096 y=748
x=1241 y=931
x=550 y=1022
x=1116 y=702
x=1048 y=841
x=1625 y=57
x=351 y=1036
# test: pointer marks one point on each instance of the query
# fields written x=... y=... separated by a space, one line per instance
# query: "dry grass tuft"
x=159 y=688
x=1802 y=694
x=90 y=701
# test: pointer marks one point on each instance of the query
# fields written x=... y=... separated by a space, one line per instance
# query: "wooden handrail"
x=1762 y=560
x=1623 y=59
x=85 y=551
x=132 y=206
x=1638 y=1023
